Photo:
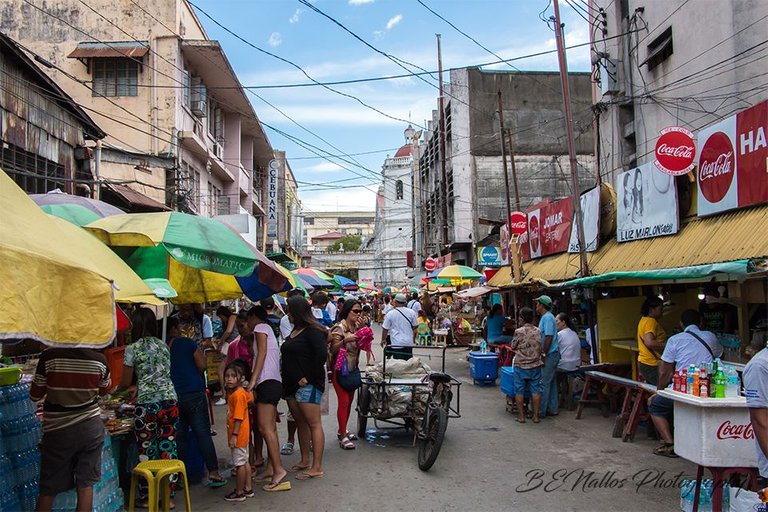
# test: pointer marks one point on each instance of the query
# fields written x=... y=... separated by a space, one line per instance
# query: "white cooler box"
x=713 y=431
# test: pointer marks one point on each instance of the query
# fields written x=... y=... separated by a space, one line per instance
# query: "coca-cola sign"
x=675 y=151
x=728 y=430
x=716 y=167
x=518 y=223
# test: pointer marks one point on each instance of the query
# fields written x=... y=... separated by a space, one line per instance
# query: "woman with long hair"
x=157 y=410
x=637 y=197
x=651 y=339
x=343 y=337
x=304 y=354
x=266 y=381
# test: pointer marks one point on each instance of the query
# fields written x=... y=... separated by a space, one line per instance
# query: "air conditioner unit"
x=199 y=98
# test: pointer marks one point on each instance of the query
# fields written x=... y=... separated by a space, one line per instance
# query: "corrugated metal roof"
x=137 y=198
x=733 y=236
x=125 y=49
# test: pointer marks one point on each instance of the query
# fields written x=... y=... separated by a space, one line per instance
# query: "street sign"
x=518 y=223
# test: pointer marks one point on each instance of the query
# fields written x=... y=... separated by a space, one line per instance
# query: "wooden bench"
x=633 y=408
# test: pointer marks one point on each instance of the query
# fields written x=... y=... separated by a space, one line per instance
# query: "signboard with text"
x=675 y=151
x=733 y=160
x=590 y=214
x=647 y=204
x=549 y=228
x=272 y=188
x=489 y=256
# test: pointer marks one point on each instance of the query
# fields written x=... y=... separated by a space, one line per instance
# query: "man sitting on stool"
x=691 y=347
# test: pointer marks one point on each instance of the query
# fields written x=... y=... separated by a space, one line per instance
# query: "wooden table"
x=631 y=345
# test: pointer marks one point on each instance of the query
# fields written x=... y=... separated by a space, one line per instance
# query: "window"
x=398 y=189
x=659 y=49
x=310 y=221
x=115 y=77
x=353 y=220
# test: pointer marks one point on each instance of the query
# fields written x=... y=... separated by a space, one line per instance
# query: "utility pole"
x=504 y=159
x=443 y=174
x=514 y=169
x=559 y=38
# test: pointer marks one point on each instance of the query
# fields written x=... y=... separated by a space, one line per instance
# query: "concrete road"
x=488 y=463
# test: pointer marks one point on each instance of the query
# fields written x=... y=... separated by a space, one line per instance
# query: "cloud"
x=360 y=2
x=295 y=17
x=394 y=20
x=275 y=39
x=350 y=199
x=378 y=35
x=322 y=167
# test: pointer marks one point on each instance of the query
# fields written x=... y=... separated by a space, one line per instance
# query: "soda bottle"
x=719 y=383
x=684 y=381
x=704 y=387
x=696 y=381
x=676 y=381
x=689 y=380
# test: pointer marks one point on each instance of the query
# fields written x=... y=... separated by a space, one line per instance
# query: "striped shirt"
x=71 y=381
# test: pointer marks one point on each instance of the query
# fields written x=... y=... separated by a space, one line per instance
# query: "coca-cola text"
x=728 y=430
x=679 y=151
x=721 y=165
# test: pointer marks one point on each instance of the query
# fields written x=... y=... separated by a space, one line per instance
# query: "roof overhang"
x=113 y=50
x=136 y=199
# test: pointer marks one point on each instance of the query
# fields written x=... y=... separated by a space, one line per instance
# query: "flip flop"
x=307 y=476
x=287 y=449
x=298 y=467
x=277 y=487
x=216 y=483
x=536 y=420
x=262 y=479
x=519 y=420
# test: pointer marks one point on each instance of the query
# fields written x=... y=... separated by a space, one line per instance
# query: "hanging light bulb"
x=701 y=294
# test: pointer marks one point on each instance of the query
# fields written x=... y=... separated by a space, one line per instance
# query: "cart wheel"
x=363 y=406
x=432 y=440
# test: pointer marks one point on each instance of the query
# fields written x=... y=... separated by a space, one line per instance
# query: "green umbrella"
x=459 y=272
x=74 y=213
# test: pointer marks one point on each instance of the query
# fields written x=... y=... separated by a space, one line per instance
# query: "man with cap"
x=399 y=329
x=549 y=347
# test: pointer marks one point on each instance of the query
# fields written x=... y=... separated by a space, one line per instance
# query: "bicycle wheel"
x=363 y=406
x=432 y=439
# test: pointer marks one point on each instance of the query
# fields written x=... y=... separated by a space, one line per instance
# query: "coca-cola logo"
x=728 y=430
x=675 y=151
x=716 y=167
x=518 y=223
x=533 y=231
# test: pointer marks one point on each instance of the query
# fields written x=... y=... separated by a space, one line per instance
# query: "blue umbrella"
x=313 y=282
x=344 y=282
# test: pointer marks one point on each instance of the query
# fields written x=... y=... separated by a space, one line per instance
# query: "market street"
x=487 y=462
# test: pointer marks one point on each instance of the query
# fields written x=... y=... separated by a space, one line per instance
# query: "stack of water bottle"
x=708 y=380
x=107 y=494
x=19 y=457
x=688 y=490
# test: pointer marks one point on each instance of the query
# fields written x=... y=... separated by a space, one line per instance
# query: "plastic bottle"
x=676 y=381
x=696 y=380
x=689 y=379
x=719 y=381
x=732 y=383
x=484 y=347
x=684 y=381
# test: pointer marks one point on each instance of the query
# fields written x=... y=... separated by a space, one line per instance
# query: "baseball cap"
x=545 y=300
x=400 y=298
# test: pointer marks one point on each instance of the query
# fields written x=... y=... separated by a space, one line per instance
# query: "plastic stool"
x=157 y=473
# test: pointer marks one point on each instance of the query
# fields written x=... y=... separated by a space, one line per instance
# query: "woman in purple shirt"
x=269 y=390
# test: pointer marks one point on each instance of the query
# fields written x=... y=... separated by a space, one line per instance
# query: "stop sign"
x=518 y=222
x=430 y=264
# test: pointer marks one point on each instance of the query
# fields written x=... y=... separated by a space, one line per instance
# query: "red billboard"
x=549 y=228
x=733 y=161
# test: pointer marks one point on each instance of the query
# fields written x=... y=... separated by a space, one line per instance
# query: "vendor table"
x=716 y=434
x=441 y=336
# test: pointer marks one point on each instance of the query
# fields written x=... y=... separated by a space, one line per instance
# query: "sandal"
x=298 y=467
x=666 y=450
x=287 y=449
x=519 y=420
x=351 y=436
x=536 y=420
x=234 y=496
x=346 y=444
x=215 y=483
x=308 y=476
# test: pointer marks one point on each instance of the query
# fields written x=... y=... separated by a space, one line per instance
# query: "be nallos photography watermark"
x=587 y=481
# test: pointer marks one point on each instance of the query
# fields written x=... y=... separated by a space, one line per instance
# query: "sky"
x=307 y=122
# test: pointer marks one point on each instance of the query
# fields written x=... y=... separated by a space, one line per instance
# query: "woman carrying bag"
x=345 y=357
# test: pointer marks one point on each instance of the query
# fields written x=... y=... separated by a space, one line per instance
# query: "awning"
x=446 y=289
x=477 y=291
x=733 y=268
x=137 y=200
x=559 y=267
x=121 y=49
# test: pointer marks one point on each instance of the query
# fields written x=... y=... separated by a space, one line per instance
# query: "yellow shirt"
x=646 y=325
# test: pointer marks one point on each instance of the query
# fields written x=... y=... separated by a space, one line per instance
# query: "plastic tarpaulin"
x=737 y=268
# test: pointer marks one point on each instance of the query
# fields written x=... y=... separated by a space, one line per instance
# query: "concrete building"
x=43 y=131
x=344 y=223
x=393 y=236
x=678 y=63
x=454 y=217
x=180 y=129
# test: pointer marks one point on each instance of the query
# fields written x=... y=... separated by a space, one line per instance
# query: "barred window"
x=399 y=189
x=115 y=77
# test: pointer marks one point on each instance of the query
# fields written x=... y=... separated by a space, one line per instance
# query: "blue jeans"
x=193 y=412
x=549 y=399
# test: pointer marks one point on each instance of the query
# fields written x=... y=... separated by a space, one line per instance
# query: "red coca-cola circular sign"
x=518 y=223
x=533 y=233
x=716 y=167
x=675 y=151
x=430 y=264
